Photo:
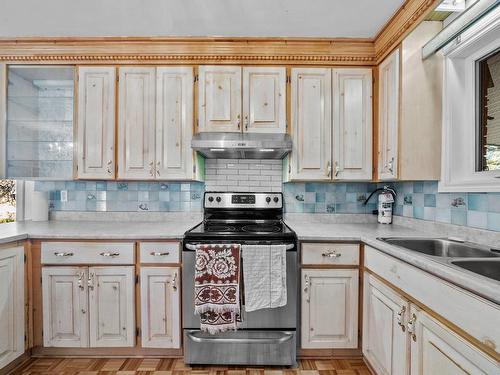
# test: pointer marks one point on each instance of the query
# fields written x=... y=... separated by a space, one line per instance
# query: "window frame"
x=459 y=146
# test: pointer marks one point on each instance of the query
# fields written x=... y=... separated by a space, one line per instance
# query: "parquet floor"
x=139 y=366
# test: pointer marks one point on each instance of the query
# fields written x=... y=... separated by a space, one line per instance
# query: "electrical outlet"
x=64 y=195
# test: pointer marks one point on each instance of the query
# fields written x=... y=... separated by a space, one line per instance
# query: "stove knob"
x=218 y=199
x=210 y=199
x=268 y=199
x=276 y=199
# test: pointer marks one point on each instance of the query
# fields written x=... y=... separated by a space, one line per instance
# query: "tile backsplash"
x=418 y=200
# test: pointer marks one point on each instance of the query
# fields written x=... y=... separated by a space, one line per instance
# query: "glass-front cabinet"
x=39 y=122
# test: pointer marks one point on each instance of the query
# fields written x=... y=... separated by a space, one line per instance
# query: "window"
x=488 y=113
x=7 y=201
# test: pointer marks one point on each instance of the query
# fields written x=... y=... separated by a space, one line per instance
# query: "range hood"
x=242 y=145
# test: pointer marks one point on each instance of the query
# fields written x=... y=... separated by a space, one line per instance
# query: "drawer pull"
x=63 y=254
x=159 y=254
x=110 y=255
x=331 y=254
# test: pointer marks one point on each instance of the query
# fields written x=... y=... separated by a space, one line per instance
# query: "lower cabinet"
x=160 y=307
x=11 y=304
x=329 y=308
x=88 y=306
x=400 y=338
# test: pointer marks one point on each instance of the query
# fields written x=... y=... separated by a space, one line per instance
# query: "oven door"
x=282 y=318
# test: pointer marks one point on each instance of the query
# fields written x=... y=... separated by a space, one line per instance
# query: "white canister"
x=40 y=206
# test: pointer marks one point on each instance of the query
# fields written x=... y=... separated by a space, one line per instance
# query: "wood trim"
x=136 y=352
x=401 y=24
x=329 y=353
x=451 y=326
x=16 y=364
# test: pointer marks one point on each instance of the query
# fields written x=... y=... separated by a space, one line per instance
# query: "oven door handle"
x=189 y=246
x=226 y=340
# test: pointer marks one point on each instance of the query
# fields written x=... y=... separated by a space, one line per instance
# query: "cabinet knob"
x=331 y=254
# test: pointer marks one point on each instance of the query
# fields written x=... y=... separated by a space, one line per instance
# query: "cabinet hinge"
x=25 y=338
x=288 y=79
x=117 y=78
x=286 y=124
x=137 y=332
x=25 y=258
x=137 y=279
x=194 y=168
x=196 y=78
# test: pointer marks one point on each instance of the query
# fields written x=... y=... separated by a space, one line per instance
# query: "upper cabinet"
x=219 y=99
x=352 y=124
x=331 y=124
x=311 y=124
x=95 y=146
x=136 y=123
x=256 y=105
x=264 y=99
x=410 y=109
x=388 y=117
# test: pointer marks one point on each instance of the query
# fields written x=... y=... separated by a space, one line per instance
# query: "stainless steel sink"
x=442 y=248
x=485 y=267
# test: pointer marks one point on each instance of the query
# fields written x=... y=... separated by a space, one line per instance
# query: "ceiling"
x=231 y=18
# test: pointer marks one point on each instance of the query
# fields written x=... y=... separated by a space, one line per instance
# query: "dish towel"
x=216 y=286
x=264 y=276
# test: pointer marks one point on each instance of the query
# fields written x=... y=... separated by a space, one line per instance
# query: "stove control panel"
x=243 y=200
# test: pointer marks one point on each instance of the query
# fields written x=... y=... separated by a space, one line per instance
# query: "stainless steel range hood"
x=242 y=145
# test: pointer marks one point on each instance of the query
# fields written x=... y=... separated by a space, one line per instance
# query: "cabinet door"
x=352 y=124
x=160 y=307
x=385 y=342
x=95 y=143
x=219 y=99
x=329 y=308
x=388 y=117
x=111 y=305
x=65 y=318
x=264 y=100
x=136 y=123
x=174 y=123
x=11 y=304
x=311 y=124
x=436 y=349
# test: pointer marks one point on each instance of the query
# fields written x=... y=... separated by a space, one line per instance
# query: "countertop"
x=308 y=227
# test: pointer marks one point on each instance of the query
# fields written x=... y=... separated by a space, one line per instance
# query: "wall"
x=418 y=200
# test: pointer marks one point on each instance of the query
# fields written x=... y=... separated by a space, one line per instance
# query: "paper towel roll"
x=40 y=206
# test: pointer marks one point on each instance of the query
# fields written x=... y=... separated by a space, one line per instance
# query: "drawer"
x=88 y=253
x=325 y=253
x=159 y=252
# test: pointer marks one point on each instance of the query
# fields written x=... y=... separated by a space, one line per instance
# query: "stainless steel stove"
x=264 y=337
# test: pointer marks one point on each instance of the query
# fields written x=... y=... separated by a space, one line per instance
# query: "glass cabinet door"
x=40 y=122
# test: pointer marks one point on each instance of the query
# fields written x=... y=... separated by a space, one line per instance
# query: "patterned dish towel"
x=216 y=287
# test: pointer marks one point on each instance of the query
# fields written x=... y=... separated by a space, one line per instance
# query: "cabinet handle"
x=328 y=169
x=337 y=169
x=400 y=318
x=391 y=165
x=158 y=254
x=174 y=282
x=63 y=254
x=109 y=169
x=238 y=121
x=152 y=169
x=90 y=281
x=306 y=284
x=411 y=327
x=331 y=254
x=80 y=280
x=246 y=122
x=109 y=255
x=158 y=168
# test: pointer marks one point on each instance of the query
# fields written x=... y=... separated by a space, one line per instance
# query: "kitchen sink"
x=443 y=248
x=485 y=267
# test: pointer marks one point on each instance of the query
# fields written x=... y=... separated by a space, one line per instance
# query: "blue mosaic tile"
x=418 y=187
x=477 y=202
x=429 y=200
x=494 y=221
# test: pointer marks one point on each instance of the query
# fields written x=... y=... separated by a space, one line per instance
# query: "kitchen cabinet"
x=95 y=146
x=311 y=124
x=352 y=124
x=65 y=307
x=12 y=312
x=136 y=123
x=219 y=97
x=385 y=342
x=388 y=120
x=160 y=307
x=329 y=308
x=331 y=124
x=88 y=306
x=409 y=125
x=264 y=99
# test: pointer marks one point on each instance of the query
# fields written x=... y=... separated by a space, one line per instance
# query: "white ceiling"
x=267 y=18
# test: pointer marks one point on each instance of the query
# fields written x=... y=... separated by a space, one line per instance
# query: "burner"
x=261 y=228
x=220 y=228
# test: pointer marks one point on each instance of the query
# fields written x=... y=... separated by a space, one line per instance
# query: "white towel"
x=264 y=276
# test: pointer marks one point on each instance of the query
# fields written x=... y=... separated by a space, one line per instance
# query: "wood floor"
x=133 y=366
